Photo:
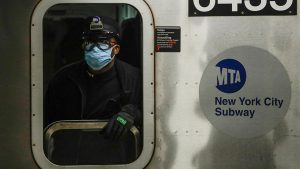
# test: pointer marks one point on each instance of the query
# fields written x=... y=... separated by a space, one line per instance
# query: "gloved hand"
x=121 y=123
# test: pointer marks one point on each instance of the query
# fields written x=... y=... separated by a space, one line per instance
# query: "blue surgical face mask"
x=97 y=58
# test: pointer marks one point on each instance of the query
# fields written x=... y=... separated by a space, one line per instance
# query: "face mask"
x=97 y=58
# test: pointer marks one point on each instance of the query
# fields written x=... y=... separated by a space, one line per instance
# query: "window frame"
x=37 y=83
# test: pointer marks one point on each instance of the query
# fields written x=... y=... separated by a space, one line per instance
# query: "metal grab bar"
x=82 y=126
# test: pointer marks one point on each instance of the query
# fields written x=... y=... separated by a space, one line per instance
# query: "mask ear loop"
x=112 y=58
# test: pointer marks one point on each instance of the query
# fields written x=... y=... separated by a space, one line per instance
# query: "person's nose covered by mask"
x=98 y=57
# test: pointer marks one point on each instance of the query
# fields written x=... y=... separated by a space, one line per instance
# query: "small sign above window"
x=242 y=7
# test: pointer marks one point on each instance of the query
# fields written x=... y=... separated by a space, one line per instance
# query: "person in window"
x=98 y=87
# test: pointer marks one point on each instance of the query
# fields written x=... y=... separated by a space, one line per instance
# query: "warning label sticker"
x=167 y=39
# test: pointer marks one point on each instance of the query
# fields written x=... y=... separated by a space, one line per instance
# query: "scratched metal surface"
x=185 y=138
x=15 y=143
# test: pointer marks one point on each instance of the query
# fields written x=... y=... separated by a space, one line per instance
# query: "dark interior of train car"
x=62 y=45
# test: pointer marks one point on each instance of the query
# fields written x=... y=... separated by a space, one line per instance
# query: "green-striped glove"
x=120 y=124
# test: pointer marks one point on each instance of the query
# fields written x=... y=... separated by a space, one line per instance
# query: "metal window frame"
x=37 y=83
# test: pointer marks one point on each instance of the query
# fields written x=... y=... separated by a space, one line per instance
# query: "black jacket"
x=66 y=95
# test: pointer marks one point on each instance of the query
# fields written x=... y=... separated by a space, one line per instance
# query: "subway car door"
x=72 y=139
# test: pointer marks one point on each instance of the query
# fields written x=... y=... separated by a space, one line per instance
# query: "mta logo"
x=231 y=76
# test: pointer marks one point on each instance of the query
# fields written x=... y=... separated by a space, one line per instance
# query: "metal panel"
x=15 y=84
x=185 y=138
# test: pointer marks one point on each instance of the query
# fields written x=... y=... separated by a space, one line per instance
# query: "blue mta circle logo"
x=231 y=76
